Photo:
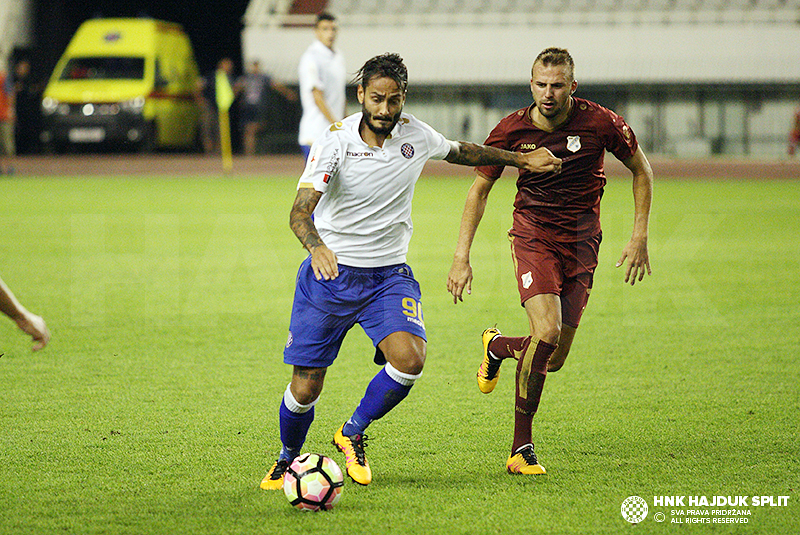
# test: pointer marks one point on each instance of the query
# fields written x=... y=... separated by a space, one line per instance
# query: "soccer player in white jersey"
x=358 y=184
x=323 y=77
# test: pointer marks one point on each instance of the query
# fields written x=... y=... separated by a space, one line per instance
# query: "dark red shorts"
x=564 y=269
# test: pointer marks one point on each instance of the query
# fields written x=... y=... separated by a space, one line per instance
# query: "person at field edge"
x=7 y=119
x=794 y=135
x=206 y=95
x=28 y=322
x=358 y=184
x=323 y=77
x=253 y=87
x=555 y=237
x=27 y=101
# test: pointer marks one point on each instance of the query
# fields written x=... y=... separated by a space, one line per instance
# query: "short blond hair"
x=556 y=56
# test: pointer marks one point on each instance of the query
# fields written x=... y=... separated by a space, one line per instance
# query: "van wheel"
x=197 y=142
x=149 y=140
x=59 y=147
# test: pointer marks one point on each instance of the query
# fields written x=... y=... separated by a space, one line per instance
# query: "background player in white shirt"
x=358 y=184
x=323 y=78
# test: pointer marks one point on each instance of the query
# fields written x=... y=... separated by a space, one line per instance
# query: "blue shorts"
x=382 y=300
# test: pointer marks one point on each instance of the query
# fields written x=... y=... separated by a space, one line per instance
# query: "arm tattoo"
x=300 y=218
x=473 y=154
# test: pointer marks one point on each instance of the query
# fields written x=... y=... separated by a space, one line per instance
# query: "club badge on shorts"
x=573 y=143
x=527 y=280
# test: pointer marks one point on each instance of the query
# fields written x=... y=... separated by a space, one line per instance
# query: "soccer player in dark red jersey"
x=555 y=237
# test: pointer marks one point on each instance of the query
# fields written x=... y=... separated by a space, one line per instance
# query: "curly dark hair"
x=388 y=65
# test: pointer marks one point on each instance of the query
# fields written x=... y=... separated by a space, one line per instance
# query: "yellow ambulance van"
x=125 y=83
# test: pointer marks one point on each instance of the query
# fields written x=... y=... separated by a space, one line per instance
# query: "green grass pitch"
x=154 y=408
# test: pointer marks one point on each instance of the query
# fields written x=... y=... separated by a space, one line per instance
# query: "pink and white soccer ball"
x=313 y=482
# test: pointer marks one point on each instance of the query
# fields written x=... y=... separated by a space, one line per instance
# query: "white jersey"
x=364 y=214
x=320 y=68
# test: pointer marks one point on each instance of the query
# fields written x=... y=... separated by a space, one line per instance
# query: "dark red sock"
x=531 y=372
x=505 y=347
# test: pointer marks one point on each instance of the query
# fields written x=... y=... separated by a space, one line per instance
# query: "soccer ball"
x=313 y=482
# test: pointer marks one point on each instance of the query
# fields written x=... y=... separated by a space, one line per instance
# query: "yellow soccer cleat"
x=353 y=448
x=524 y=461
x=489 y=370
x=274 y=478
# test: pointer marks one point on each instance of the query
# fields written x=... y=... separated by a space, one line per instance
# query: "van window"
x=103 y=68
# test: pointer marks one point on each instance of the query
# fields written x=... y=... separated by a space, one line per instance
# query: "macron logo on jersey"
x=365 y=154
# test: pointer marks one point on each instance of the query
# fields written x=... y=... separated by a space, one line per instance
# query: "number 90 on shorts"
x=413 y=309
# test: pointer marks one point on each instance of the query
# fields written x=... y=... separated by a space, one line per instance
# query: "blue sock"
x=388 y=388
x=295 y=420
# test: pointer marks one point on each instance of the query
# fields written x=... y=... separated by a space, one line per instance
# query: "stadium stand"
x=693 y=77
x=509 y=12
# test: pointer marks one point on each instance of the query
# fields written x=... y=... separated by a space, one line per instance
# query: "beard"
x=380 y=129
x=558 y=107
x=552 y=112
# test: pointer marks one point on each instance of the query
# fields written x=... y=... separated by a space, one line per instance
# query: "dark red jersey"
x=563 y=207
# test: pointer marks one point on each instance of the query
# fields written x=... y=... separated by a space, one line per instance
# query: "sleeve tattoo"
x=300 y=218
x=473 y=154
